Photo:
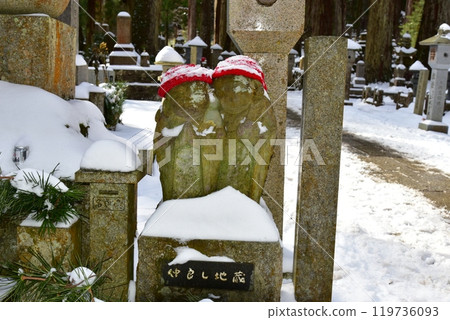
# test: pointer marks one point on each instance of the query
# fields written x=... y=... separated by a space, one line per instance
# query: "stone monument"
x=266 y=32
x=123 y=52
x=240 y=87
x=37 y=49
x=322 y=115
x=439 y=61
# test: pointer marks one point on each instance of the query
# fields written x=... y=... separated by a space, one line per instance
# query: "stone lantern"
x=168 y=58
x=439 y=61
x=197 y=45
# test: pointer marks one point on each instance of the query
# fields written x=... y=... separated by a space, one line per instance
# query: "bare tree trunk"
x=379 y=41
x=435 y=13
x=207 y=26
x=220 y=35
x=192 y=19
x=145 y=25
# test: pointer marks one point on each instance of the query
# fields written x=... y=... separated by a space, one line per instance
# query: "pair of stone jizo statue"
x=209 y=138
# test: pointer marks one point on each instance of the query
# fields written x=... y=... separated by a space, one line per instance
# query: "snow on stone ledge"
x=352 y=45
x=185 y=254
x=22 y=181
x=32 y=223
x=223 y=215
x=110 y=155
x=123 y=14
x=79 y=61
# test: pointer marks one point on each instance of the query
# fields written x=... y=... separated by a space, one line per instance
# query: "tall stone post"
x=322 y=114
x=123 y=28
x=266 y=33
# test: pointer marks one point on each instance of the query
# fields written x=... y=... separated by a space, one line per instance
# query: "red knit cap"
x=183 y=73
x=240 y=66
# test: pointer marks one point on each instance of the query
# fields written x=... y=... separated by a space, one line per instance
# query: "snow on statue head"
x=240 y=86
x=187 y=116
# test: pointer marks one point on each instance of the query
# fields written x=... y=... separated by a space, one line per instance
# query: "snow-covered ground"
x=392 y=243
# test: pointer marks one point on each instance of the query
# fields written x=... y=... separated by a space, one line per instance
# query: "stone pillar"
x=421 y=91
x=40 y=51
x=322 y=114
x=70 y=16
x=112 y=225
x=360 y=73
x=257 y=31
x=399 y=75
x=216 y=50
x=123 y=28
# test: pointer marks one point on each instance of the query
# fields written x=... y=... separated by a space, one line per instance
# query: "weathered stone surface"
x=112 y=225
x=51 y=7
x=250 y=123
x=138 y=74
x=98 y=98
x=143 y=91
x=322 y=114
x=123 y=28
x=38 y=51
x=267 y=34
x=8 y=240
x=254 y=26
x=64 y=242
x=183 y=175
x=154 y=252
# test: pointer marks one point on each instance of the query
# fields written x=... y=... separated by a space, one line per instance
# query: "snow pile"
x=224 y=215
x=110 y=155
x=49 y=126
x=80 y=61
x=168 y=54
x=82 y=90
x=82 y=277
x=185 y=254
x=22 y=181
x=352 y=45
x=172 y=132
x=417 y=66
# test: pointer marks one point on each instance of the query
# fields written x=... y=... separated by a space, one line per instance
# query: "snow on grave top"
x=80 y=61
x=352 y=45
x=110 y=155
x=223 y=215
x=407 y=36
x=123 y=14
x=168 y=54
x=197 y=42
x=417 y=66
x=216 y=47
x=293 y=51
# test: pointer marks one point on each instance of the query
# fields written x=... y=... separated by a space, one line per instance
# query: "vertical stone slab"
x=267 y=34
x=70 y=16
x=421 y=91
x=38 y=51
x=123 y=28
x=322 y=114
x=112 y=225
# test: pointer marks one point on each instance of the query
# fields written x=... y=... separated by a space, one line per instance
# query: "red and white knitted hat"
x=183 y=73
x=240 y=66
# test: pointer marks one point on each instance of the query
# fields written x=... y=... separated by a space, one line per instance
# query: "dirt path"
x=391 y=166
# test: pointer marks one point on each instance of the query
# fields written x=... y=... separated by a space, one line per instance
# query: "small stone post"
x=267 y=33
x=291 y=62
x=216 y=50
x=112 y=224
x=322 y=114
x=421 y=91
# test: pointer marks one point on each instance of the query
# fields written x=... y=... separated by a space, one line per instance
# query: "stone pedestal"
x=421 y=91
x=8 y=240
x=322 y=114
x=267 y=34
x=155 y=252
x=435 y=110
x=38 y=51
x=112 y=225
x=64 y=243
x=360 y=79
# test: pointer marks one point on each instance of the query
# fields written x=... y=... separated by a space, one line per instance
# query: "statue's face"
x=190 y=98
x=234 y=92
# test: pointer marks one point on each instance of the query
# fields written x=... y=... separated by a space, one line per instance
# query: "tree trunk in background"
x=323 y=18
x=379 y=41
x=220 y=35
x=207 y=26
x=192 y=19
x=145 y=25
x=435 y=13
x=399 y=5
x=90 y=23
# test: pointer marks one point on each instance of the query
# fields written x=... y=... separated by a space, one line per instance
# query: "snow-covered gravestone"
x=439 y=61
x=266 y=31
x=123 y=52
x=110 y=169
x=168 y=57
x=420 y=82
x=223 y=245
